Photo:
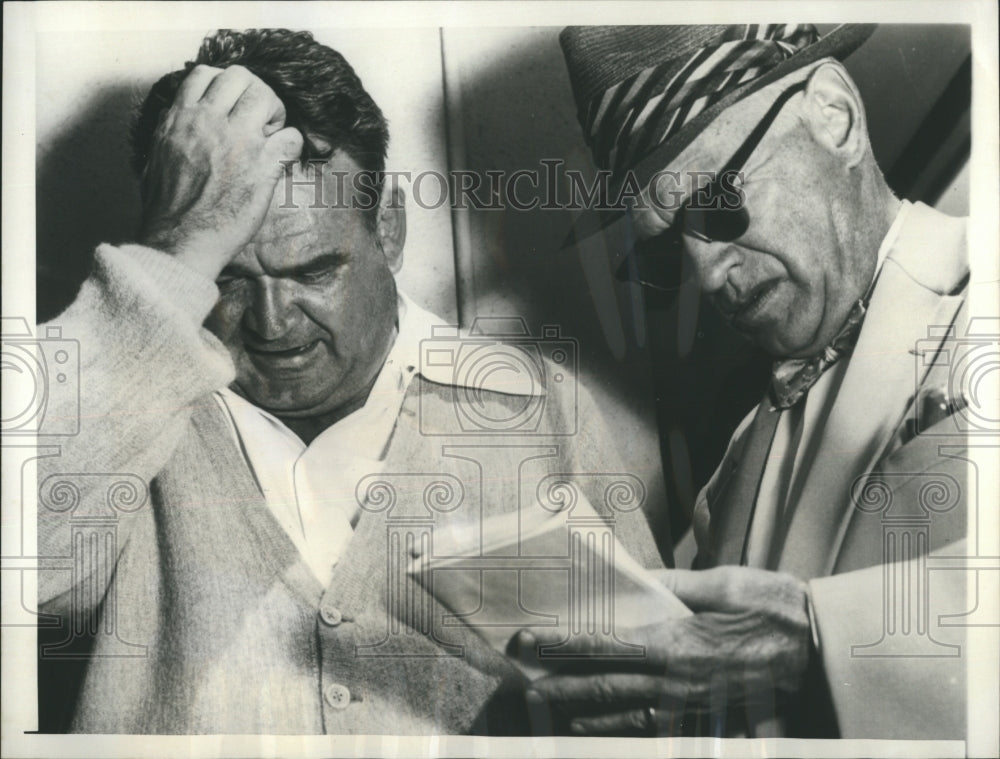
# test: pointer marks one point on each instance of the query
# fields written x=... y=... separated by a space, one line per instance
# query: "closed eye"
x=311 y=272
x=229 y=283
x=319 y=269
x=313 y=275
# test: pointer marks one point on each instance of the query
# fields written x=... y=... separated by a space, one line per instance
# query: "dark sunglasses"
x=709 y=215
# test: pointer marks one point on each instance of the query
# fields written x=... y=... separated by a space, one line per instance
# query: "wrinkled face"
x=788 y=282
x=308 y=309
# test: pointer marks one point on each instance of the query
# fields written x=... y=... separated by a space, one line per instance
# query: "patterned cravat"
x=792 y=378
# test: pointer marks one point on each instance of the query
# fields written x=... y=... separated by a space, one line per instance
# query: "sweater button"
x=331 y=615
x=337 y=696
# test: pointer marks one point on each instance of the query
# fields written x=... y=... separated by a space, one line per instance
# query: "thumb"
x=702 y=590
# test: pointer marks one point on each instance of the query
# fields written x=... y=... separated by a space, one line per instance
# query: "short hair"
x=322 y=95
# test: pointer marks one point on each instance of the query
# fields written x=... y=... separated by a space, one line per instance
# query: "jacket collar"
x=926 y=264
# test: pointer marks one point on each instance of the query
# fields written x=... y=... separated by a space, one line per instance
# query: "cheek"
x=326 y=307
x=224 y=320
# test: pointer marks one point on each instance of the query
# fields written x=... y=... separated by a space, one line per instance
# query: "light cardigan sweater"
x=210 y=620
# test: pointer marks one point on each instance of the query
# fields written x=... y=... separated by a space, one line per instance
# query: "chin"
x=789 y=346
x=287 y=403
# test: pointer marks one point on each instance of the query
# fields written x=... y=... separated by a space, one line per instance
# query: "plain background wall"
x=510 y=107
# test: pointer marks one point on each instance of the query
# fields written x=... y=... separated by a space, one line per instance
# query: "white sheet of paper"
x=563 y=570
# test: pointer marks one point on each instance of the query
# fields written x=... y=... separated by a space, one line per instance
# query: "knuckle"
x=636 y=719
x=604 y=692
x=195 y=122
x=259 y=85
x=238 y=73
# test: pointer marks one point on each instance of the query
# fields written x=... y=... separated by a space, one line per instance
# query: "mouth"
x=282 y=356
x=748 y=312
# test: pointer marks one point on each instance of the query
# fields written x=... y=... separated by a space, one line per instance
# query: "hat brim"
x=838 y=43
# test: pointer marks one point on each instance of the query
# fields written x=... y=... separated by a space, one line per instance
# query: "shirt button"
x=331 y=615
x=337 y=696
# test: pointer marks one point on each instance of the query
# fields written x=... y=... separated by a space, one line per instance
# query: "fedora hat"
x=643 y=93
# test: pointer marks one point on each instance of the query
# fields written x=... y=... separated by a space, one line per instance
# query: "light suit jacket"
x=877 y=493
x=160 y=554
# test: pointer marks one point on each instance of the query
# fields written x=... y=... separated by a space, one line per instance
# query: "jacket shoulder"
x=932 y=249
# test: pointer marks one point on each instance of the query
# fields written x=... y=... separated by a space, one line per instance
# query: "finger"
x=645 y=722
x=631 y=648
x=223 y=91
x=709 y=589
x=258 y=105
x=541 y=720
x=537 y=644
x=195 y=84
x=634 y=722
x=281 y=147
x=609 y=688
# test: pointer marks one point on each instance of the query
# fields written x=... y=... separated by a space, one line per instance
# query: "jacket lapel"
x=881 y=381
x=733 y=507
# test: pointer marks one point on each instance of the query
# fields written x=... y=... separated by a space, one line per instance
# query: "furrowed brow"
x=322 y=262
x=331 y=260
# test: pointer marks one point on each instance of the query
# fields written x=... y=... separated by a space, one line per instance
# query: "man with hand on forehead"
x=825 y=269
x=252 y=361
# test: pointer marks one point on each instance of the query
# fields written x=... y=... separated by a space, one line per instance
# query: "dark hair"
x=323 y=97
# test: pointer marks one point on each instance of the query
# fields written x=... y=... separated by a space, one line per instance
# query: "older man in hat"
x=810 y=591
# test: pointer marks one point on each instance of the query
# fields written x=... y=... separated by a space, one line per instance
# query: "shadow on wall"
x=516 y=112
x=85 y=194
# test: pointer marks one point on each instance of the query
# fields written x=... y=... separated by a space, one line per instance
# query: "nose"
x=270 y=314
x=712 y=262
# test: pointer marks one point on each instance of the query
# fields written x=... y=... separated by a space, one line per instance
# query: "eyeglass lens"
x=711 y=219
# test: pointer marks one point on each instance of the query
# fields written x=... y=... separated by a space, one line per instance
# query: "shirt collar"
x=889 y=241
x=425 y=344
x=443 y=354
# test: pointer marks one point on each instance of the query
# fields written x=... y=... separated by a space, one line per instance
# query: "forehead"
x=708 y=152
x=724 y=135
x=313 y=211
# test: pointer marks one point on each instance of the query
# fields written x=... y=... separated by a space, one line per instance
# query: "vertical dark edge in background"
x=454 y=135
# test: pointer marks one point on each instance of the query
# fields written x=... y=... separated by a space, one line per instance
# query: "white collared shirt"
x=795 y=439
x=311 y=489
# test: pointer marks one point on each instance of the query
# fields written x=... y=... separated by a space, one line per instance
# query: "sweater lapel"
x=364 y=571
x=277 y=551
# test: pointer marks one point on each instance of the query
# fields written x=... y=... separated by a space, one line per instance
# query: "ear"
x=834 y=113
x=390 y=226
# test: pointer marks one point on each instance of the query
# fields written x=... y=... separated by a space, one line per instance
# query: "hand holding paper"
x=750 y=635
x=562 y=572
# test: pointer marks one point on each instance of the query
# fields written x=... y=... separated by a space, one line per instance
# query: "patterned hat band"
x=641 y=112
